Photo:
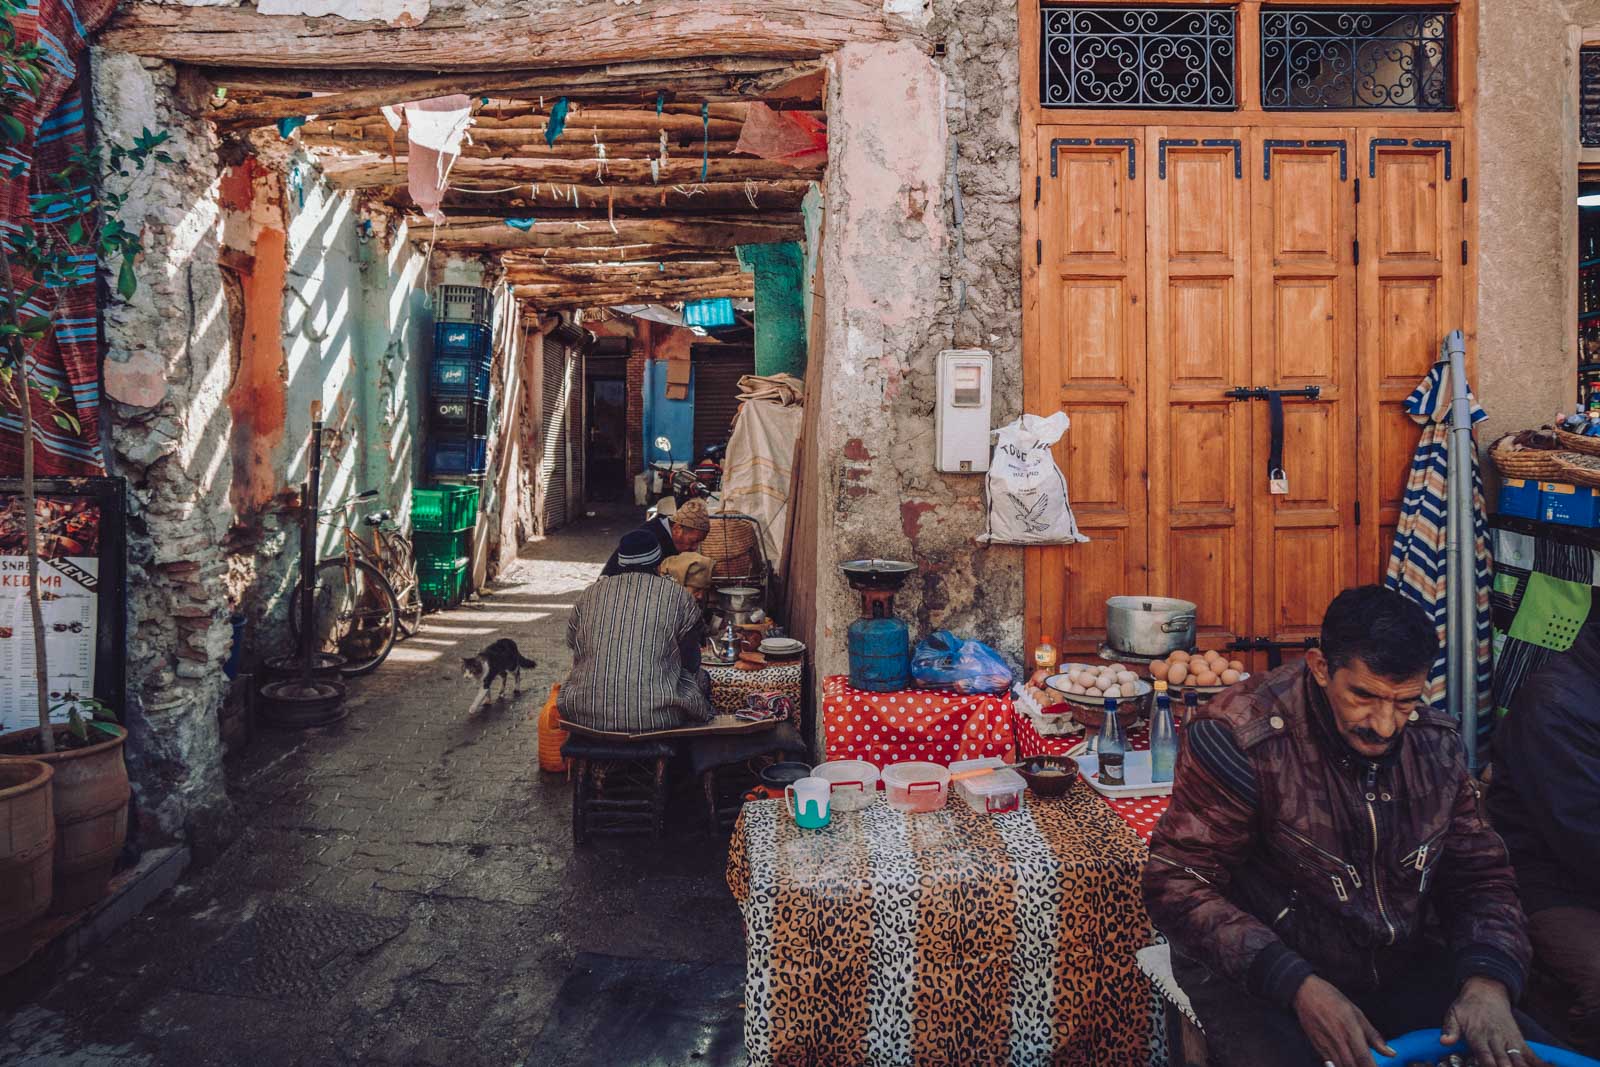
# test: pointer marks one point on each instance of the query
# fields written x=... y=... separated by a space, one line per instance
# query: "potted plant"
x=27 y=848
x=91 y=791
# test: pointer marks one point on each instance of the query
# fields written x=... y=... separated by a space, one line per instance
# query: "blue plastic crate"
x=717 y=311
x=458 y=455
x=1519 y=497
x=1569 y=505
x=461 y=339
x=460 y=376
x=460 y=415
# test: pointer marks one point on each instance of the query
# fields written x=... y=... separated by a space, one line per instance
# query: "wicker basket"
x=1577 y=468
x=729 y=538
x=1576 y=442
x=1514 y=462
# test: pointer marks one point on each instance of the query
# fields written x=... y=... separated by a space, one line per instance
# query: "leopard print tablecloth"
x=730 y=686
x=945 y=938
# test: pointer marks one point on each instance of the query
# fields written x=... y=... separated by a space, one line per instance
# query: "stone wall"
x=903 y=280
x=167 y=377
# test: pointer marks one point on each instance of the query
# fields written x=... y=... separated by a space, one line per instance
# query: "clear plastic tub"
x=992 y=793
x=916 y=787
x=854 y=782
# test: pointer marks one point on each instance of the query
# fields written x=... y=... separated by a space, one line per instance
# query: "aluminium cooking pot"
x=1149 y=626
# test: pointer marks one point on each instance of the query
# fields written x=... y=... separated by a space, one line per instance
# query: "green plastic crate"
x=445 y=509
x=442 y=582
x=442 y=549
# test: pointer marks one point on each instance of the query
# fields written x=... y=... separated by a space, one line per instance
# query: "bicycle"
x=363 y=599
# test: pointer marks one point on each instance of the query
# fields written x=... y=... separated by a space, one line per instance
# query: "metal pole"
x=1461 y=583
x=308 y=544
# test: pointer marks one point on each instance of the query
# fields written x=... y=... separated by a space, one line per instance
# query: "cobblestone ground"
x=406 y=890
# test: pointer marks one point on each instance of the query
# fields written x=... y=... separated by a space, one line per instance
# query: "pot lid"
x=1150 y=603
x=877 y=566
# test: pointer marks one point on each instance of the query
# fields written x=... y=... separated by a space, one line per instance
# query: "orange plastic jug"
x=551 y=736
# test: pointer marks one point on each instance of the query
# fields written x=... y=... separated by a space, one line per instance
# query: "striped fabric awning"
x=1418 y=562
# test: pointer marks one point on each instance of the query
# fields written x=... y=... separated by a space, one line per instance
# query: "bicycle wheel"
x=399 y=565
x=354 y=612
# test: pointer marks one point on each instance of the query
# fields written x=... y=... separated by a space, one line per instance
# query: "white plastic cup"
x=808 y=801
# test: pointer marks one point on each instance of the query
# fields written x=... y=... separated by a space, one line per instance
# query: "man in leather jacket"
x=1325 y=873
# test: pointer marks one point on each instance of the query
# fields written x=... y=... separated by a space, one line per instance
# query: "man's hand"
x=1482 y=1015
x=1335 y=1027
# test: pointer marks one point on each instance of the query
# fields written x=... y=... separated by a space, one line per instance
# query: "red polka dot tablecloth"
x=1140 y=813
x=935 y=725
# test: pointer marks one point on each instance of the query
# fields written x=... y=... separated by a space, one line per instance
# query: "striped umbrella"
x=1418 y=562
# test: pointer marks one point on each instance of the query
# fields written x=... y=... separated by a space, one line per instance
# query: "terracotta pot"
x=27 y=852
x=91 y=812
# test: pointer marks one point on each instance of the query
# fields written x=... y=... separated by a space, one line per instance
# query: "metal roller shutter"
x=717 y=370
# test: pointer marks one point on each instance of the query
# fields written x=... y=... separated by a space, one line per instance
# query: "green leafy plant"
x=87 y=713
x=36 y=260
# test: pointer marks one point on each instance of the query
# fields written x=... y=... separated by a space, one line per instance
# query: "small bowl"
x=779 y=775
x=1049 y=785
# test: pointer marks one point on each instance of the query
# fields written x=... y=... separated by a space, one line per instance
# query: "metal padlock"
x=1278 y=482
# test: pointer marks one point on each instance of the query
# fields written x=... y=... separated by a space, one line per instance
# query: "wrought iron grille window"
x=1589 y=104
x=1356 y=58
x=1138 y=57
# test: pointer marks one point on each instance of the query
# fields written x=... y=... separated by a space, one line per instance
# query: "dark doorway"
x=607 y=436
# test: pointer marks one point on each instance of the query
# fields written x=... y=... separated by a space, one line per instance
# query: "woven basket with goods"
x=1540 y=455
x=731 y=544
x=1576 y=442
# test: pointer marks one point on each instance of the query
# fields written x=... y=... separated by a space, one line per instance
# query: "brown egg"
x=1158 y=668
x=1213 y=656
x=1207 y=678
x=1177 y=657
x=1177 y=673
x=1230 y=676
x=1236 y=665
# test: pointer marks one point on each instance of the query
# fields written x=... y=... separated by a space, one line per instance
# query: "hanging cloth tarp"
x=1418 y=562
x=435 y=129
x=68 y=357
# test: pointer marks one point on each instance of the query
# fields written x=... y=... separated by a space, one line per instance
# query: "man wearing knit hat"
x=635 y=638
x=682 y=531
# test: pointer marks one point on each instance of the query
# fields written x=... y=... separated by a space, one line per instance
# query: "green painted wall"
x=780 y=307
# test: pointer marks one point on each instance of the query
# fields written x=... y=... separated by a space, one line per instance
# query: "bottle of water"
x=1191 y=705
x=1112 y=747
x=1163 y=737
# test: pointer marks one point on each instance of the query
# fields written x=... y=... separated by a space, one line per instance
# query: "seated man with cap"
x=692 y=571
x=635 y=638
x=682 y=531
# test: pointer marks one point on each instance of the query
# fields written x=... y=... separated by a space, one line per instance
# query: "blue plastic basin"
x=1425 y=1045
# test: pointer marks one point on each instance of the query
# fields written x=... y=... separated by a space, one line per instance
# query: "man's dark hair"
x=1393 y=636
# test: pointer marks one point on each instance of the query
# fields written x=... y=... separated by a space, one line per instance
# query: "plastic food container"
x=993 y=793
x=916 y=787
x=854 y=782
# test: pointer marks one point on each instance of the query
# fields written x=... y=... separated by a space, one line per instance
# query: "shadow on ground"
x=406 y=890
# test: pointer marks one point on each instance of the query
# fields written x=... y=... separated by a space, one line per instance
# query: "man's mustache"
x=1372 y=737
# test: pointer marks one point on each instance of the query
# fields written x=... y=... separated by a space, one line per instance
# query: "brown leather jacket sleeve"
x=1207 y=832
x=1475 y=896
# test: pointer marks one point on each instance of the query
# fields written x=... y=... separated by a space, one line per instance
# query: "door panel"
x=1412 y=292
x=1092 y=365
x=1304 y=324
x=1198 y=242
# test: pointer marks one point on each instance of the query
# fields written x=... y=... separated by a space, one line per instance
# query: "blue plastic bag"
x=944 y=661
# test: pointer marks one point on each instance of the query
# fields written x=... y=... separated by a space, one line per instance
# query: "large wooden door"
x=1304 y=336
x=1412 y=291
x=1091 y=364
x=1198 y=349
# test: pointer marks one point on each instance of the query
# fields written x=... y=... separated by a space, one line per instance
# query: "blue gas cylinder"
x=880 y=655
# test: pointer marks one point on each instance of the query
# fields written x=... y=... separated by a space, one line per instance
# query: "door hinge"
x=1466 y=187
x=1038 y=252
x=1358 y=513
x=1358 y=190
x=1355 y=251
x=1038 y=189
x=1463 y=253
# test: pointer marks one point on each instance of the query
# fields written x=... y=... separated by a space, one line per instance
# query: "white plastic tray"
x=1136 y=771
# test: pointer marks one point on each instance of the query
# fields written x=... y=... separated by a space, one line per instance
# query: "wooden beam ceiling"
x=493 y=235
x=459 y=40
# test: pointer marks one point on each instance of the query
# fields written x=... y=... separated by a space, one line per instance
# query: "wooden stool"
x=714 y=757
x=618 y=787
x=1186 y=1041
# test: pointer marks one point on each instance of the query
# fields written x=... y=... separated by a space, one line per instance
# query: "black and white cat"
x=500 y=660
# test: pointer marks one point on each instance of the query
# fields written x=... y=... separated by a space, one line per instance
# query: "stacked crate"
x=442 y=521
x=458 y=385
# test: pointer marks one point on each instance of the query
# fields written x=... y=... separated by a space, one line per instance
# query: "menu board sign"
x=82 y=614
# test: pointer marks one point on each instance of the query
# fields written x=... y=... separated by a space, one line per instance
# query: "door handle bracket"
x=1261 y=392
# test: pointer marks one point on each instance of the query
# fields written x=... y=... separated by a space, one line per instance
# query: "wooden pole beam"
x=368 y=171
x=555 y=201
x=684 y=233
x=585 y=36
x=621 y=274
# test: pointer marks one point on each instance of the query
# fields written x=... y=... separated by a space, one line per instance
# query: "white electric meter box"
x=961 y=418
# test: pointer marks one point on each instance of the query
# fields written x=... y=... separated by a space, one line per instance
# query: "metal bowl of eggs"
x=1209 y=671
x=1087 y=687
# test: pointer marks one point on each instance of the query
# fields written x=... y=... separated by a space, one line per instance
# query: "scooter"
x=680 y=485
